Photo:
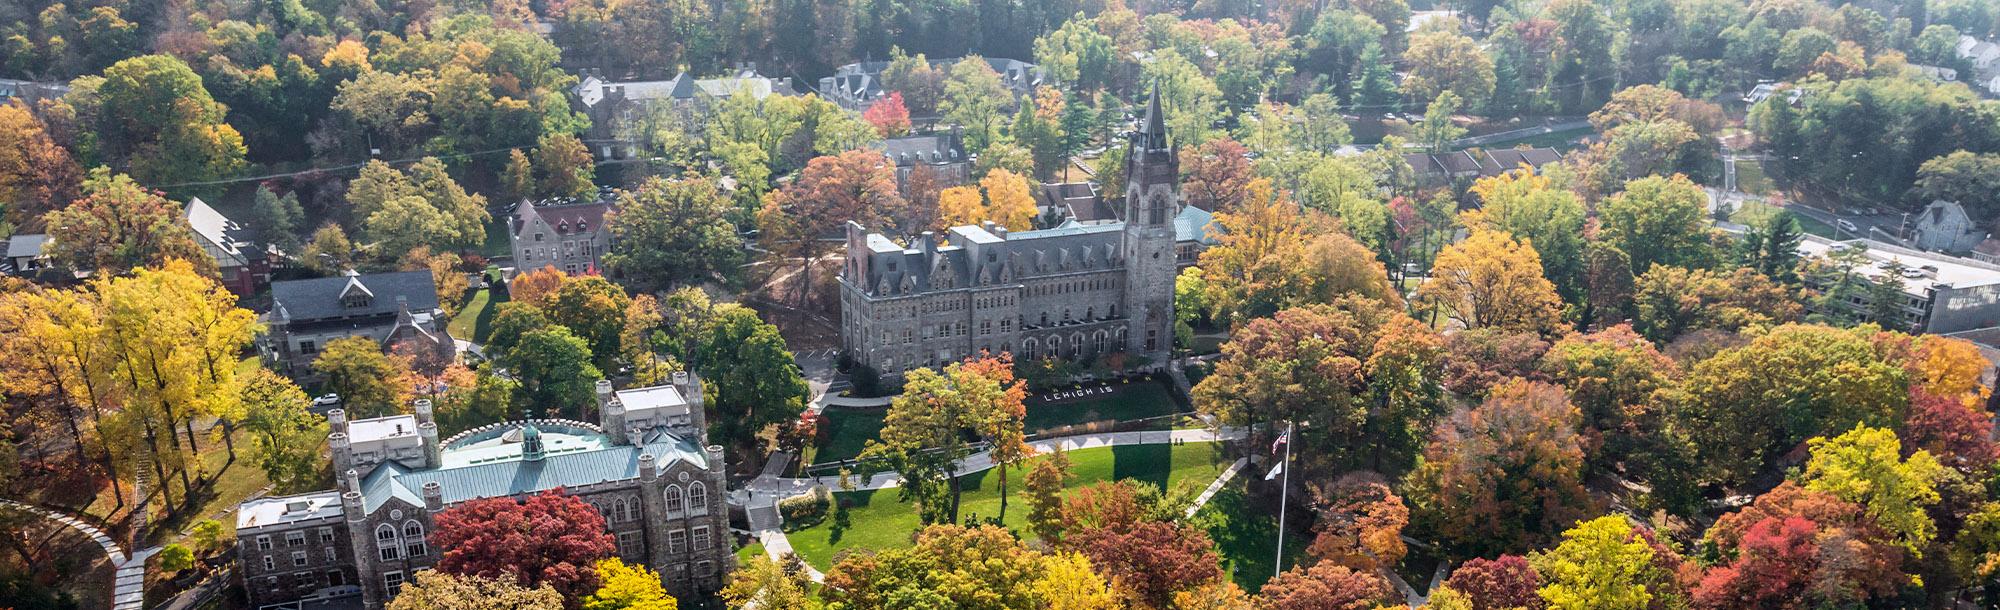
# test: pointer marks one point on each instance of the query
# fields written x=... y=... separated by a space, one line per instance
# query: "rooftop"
x=656 y=397
x=487 y=463
x=266 y=511
x=300 y=300
x=381 y=428
x=1924 y=269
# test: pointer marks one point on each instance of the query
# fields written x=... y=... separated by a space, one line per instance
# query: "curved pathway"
x=129 y=592
x=764 y=492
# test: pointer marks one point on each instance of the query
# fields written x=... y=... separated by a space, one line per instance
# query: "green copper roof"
x=490 y=464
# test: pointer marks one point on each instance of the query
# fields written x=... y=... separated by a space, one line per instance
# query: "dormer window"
x=356 y=301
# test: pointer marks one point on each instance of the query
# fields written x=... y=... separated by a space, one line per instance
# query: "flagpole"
x=1284 y=495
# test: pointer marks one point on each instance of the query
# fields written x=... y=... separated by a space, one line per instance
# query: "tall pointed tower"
x=1152 y=200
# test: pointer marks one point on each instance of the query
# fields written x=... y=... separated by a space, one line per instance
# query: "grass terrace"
x=843 y=431
x=880 y=520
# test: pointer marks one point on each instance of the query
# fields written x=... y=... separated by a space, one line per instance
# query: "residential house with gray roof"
x=617 y=109
x=857 y=85
x=400 y=310
x=243 y=263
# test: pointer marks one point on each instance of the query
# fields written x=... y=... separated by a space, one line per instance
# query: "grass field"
x=1246 y=533
x=1752 y=213
x=1750 y=177
x=846 y=431
x=475 y=318
x=879 y=520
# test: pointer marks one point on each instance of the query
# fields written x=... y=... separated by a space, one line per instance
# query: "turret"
x=689 y=386
x=427 y=430
x=531 y=444
x=433 y=497
x=611 y=413
x=343 y=452
x=652 y=498
x=715 y=458
x=353 y=510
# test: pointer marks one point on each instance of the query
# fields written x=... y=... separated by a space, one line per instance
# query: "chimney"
x=928 y=241
x=649 y=470
x=433 y=453
x=336 y=420
x=433 y=497
x=350 y=481
x=715 y=458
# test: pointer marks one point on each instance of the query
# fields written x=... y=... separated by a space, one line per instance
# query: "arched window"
x=413 y=539
x=386 y=543
x=1028 y=348
x=1100 y=343
x=676 y=502
x=1090 y=313
x=1076 y=345
x=697 y=499
x=1055 y=347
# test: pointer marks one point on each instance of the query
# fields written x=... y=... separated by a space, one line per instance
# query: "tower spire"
x=1153 y=131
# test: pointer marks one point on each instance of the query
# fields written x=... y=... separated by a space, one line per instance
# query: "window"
x=326 y=534
x=677 y=541
x=269 y=563
x=298 y=559
x=331 y=554
x=392 y=582
x=307 y=347
x=697 y=499
x=335 y=578
x=705 y=569
x=676 y=502
x=628 y=543
x=985 y=327
x=295 y=539
x=1007 y=325
x=538 y=237
x=263 y=543
x=701 y=538
x=385 y=542
x=413 y=539
x=908 y=336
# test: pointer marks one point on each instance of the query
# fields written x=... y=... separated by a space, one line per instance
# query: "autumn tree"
x=36 y=174
x=365 y=378
x=1747 y=405
x=1009 y=200
x=564 y=167
x=536 y=287
x=1446 y=61
x=119 y=225
x=1148 y=561
x=960 y=205
x=1607 y=563
x=287 y=434
x=1360 y=523
x=152 y=117
x=1958 y=434
x=857 y=185
x=1325 y=586
x=1864 y=466
x=1216 y=175
x=889 y=116
x=766 y=584
x=550 y=538
x=1069 y=583
x=1533 y=209
x=329 y=251
x=440 y=590
x=1044 y=485
x=925 y=431
x=627 y=587
x=949 y=567
x=1501 y=583
x=420 y=206
x=1673 y=301
x=555 y=369
x=1492 y=280
x=1659 y=220
x=746 y=369
x=1505 y=475
x=1256 y=268
x=593 y=309
x=1796 y=545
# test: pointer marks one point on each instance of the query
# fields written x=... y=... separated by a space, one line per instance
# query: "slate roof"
x=911 y=150
x=26 y=246
x=232 y=239
x=316 y=299
x=565 y=214
x=592 y=90
x=501 y=474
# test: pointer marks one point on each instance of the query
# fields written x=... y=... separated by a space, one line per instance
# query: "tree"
x=1863 y=466
x=924 y=433
x=1505 y=475
x=118 y=225
x=1078 y=54
x=1008 y=200
x=279 y=217
x=857 y=186
x=1491 y=280
x=537 y=287
x=764 y=583
x=555 y=370
x=1771 y=247
x=287 y=434
x=517 y=178
x=627 y=587
x=1446 y=61
x=1044 y=485
x=175 y=558
x=1958 y=434
x=920 y=83
x=1497 y=584
x=1189 y=97
x=1037 y=128
x=1963 y=177
x=1746 y=405
x=36 y=174
x=1255 y=268
x=1068 y=583
x=550 y=538
x=1325 y=586
x=1531 y=208
x=748 y=373
x=1360 y=523
x=973 y=99
x=960 y=205
x=1336 y=43
x=1659 y=221
x=1148 y=561
x=365 y=379
x=440 y=590
x=594 y=309
x=1606 y=563
x=564 y=167
x=666 y=233
x=329 y=251
x=1799 y=546
x=1607 y=283
x=1216 y=175
x=1612 y=376
x=419 y=206
x=889 y=116
x=949 y=567
x=1437 y=132
x=153 y=117
x=1673 y=302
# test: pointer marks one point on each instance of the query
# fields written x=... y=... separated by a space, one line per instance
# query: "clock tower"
x=1152 y=201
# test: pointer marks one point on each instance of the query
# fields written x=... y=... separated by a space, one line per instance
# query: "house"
x=1447 y=168
x=1943 y=226
x=399 y=310
x=1937 y=73
x=1988 y=251
x=618 y=108
x=29 y=92
x=563 y=233
x=1765 y=90
x=855 y=86
x=1079 y=202
x=1497 y=162
x=1981 y=54
x=243 y=263
x=943 y=153
x=645 y=465
x=27 y=254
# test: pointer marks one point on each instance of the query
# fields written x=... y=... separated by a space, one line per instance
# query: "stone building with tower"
x=1077 y=291
x=644 y=465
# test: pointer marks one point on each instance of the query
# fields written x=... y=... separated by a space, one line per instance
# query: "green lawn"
x=1754 y=212
x=754 y=549
x=475 y=318
x=1246 y=532
x=1750 y=177
x=846 y=431
x=880 y=520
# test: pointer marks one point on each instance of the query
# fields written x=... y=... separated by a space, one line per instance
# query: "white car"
x=1848 y=226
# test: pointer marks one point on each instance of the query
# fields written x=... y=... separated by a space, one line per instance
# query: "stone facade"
x=1076 y=291
x=643 y=466
x=561 y=233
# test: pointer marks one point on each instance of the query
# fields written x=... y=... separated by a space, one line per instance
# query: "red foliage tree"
x=1772 y=567
x=1151 y=560
x=1796 y=548
x=1957 y=433
x=549 y=538
x=1361 y=523
x=1105 y=504
x=889 y=116
x=1325 y=586
x=1216 y=175
x=1498 y=584
x=1506 y=475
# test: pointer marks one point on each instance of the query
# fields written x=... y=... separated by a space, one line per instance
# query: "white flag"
x=1275 y=472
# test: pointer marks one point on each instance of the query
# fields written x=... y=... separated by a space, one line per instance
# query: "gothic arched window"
x=697 y=499
x=676 y=502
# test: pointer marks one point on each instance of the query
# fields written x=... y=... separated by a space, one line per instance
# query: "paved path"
x=129 y=592
x=1209 y=493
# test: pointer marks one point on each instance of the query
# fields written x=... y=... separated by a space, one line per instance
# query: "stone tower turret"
x=353 y=511
x=427 y=431
x=337 y=440
x=611 y=413
x=1152 y=201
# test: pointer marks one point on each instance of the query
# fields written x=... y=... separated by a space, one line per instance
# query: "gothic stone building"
x=561 y=233
x=1074 y=291
x=643 y=466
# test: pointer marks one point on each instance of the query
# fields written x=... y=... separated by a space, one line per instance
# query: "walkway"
x=763 y=493
x=129 y=592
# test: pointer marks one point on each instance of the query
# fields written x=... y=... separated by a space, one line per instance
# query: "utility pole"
x=1284 y=495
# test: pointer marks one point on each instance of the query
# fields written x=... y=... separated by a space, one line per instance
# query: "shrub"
x=805 y=510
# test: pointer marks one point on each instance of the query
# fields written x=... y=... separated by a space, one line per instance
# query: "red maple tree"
x=1498 y=584
x=1957 y=433
x=889 y=116
x=549 y=538
x=1325 y=586
x=1149 y=561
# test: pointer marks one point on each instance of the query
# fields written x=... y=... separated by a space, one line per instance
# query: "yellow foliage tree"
x=960 y=205
x=1490 y=280
x=1068 y=583
x=537 y=287
x=1009 y=200
x=627 y=587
